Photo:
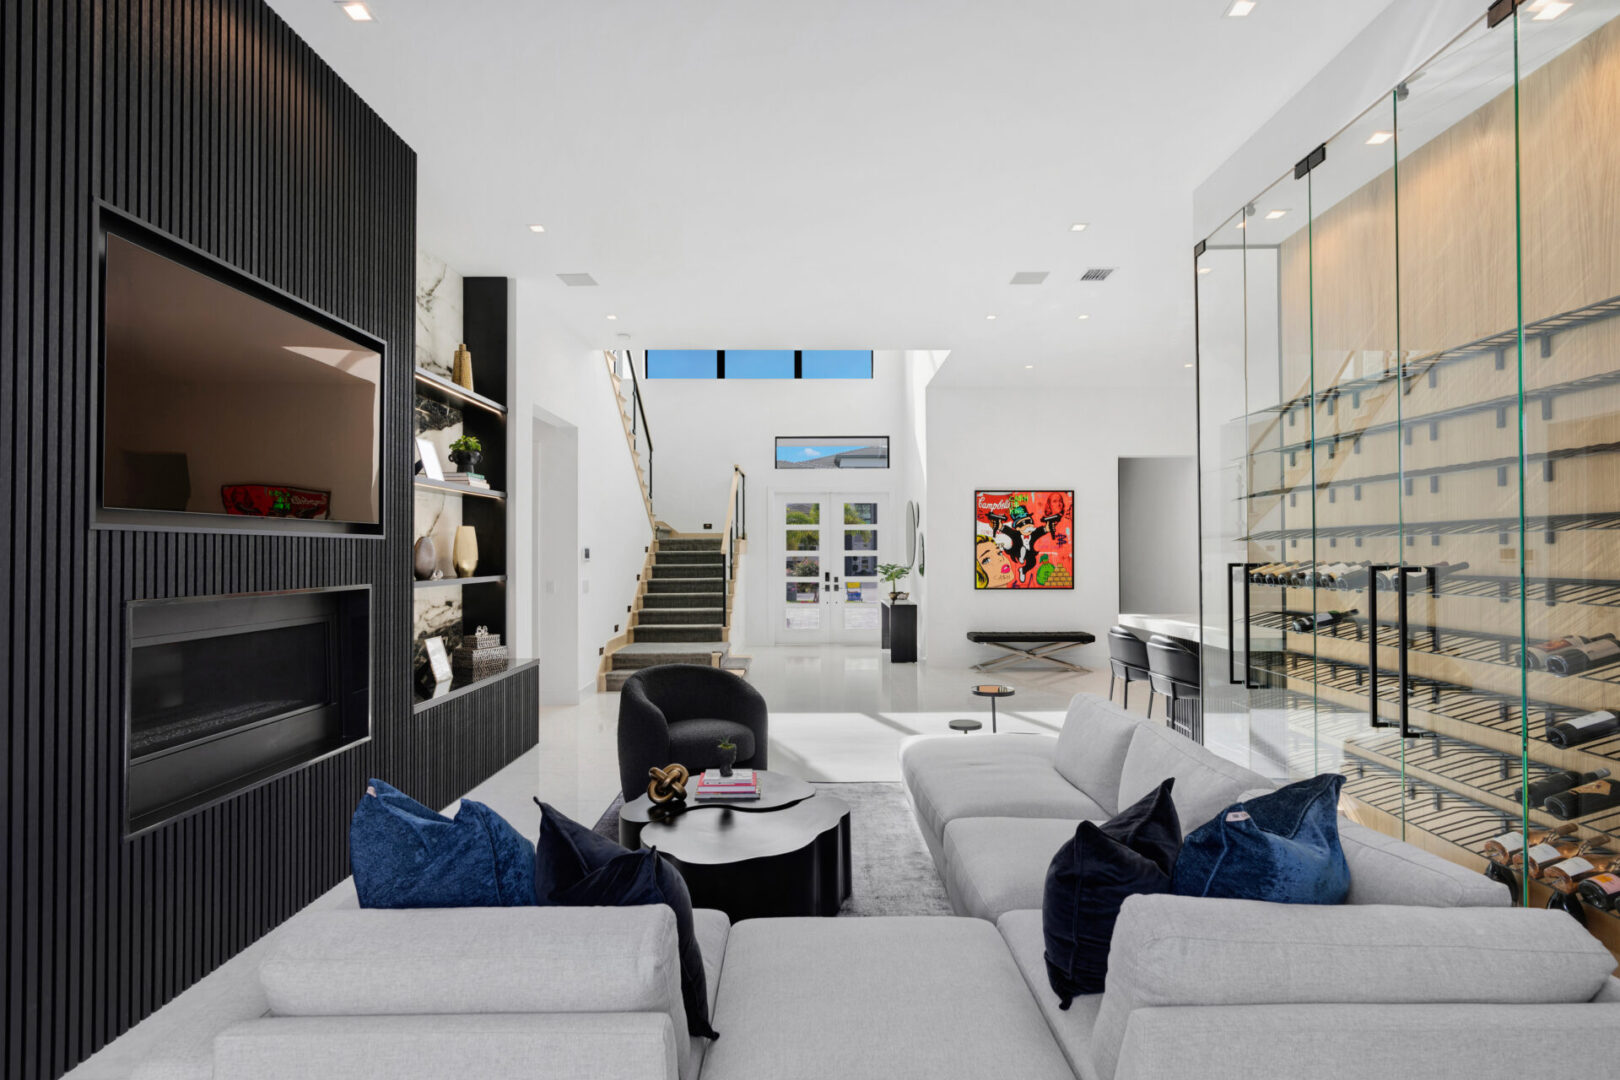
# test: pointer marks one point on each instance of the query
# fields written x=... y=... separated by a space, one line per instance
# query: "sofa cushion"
x=1072 y=1027
x=990 y=776
x=1092 y=875
x=906 y=996
x=1384 y=870
x=405 y=855
x=1090 y=749
x=642 y=877
x=565 y=851
x=1282 y=847
x=1180 y=950
x=998 y=864
x=1205 y=783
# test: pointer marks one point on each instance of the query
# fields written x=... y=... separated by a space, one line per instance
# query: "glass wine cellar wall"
x=1409 y=353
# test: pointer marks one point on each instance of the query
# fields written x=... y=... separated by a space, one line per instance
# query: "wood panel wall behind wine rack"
x=212 y=121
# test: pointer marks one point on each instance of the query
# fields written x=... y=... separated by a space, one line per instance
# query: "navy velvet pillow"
x=1282 y=847
x=575 y=867
x=1090 y=877
x=405 y=855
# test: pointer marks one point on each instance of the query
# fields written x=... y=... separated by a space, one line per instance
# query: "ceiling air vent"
x=577 y=280
x=1029 y=277
x=1097 y=273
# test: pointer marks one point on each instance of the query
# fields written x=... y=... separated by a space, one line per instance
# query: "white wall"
x=701 y=427
x=1060 y=439
x=562 y=382
x=1158 y=535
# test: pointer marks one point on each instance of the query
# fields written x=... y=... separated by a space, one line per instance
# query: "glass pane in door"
x=861 y=611
x=1459 y=471
x=1352 y=625
x=802 y=566
x=1224 y=464
x=1569 y=82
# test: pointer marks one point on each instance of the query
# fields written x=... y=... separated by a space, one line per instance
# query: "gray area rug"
x=893 y=873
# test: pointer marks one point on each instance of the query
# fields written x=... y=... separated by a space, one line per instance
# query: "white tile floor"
x=836 y=713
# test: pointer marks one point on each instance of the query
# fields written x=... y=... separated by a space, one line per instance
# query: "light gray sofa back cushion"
x=1384 y=870
x=1181 y=950
x=1091 y=747
x=1205 y=783
x=480 y=960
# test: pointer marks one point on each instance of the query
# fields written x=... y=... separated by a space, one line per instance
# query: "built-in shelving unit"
x=1410 y=359
x=481 y=599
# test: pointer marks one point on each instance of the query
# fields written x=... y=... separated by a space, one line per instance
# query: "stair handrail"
x=641 y=411
x=736 y=523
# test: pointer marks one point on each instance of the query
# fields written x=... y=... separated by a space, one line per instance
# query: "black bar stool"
x=1173 y=672
x=1128 y=660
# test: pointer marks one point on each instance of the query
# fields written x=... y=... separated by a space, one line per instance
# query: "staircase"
x=682 y=610
x=681 y=615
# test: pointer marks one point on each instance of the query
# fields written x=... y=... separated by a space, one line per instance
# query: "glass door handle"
x=1372 y=651
x=1231 y=621
x=1407 y=731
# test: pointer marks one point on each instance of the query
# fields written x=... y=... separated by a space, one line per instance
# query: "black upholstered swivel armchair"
x=680 y=712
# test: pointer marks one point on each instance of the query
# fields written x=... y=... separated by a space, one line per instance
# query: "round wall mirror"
x=912 y=522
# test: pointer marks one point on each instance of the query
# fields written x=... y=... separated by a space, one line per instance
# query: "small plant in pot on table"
x=894 y=573
x=728 y=756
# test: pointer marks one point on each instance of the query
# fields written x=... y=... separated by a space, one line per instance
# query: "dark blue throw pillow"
x=1282 y=847
x=1090 y=877
x=405 y=855
x=575 y=867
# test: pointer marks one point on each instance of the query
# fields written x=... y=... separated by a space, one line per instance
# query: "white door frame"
x=830 y=618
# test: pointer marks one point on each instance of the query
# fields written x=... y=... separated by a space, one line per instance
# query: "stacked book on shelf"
x=741 y=786
x=471 y=479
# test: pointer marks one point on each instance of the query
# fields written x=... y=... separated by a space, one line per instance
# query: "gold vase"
x=461 y=367
x=466 y=551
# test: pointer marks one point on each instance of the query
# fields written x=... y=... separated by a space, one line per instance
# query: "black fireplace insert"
x=225 y=692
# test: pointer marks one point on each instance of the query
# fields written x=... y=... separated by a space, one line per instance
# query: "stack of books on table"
x=471 y=479
x=741 y=786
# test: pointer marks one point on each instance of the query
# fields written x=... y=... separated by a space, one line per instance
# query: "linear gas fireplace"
x=226 y=692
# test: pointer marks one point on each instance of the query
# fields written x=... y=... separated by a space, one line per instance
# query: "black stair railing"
x=638 y=415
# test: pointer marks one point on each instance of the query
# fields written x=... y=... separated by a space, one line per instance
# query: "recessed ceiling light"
x=612 y=317
x=1079 y=226
x=1082 y=316
x=1379 y=138
x=1029 y=367
x=1549 y=9
x=991 y=317
x=355 y=10
x=1241 y=225
x=1186 y=365
x=1273 y=215
x=1205 y=269
x=1239 y=8
x=537 y=228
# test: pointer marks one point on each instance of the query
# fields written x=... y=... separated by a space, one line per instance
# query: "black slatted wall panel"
x=210 y=120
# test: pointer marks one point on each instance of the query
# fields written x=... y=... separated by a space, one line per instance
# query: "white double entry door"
x=827 y=547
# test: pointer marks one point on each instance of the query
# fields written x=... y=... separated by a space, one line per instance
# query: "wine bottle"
x=1579 y=867
x=1552 y=850
x=1445 y=569
x=1354 y=578
x=1508 y=847
x=1586 y=799
x=1583 y=729
x=1601 y=891
x=1548 y=786
x=1535 y=656
x=1585 y=655
x=1322 y=620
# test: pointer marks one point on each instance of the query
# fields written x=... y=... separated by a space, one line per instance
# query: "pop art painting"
x=1023 y=540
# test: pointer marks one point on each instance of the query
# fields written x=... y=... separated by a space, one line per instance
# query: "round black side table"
x=965 y=725
x=991 y=691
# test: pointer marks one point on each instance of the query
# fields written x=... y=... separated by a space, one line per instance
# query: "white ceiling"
x=836 y=173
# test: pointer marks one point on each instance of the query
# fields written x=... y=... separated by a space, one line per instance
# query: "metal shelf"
x=444 y=487
x=444 y=387
x=481 y=579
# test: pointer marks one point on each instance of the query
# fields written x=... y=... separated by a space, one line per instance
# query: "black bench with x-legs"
x=1042 y=645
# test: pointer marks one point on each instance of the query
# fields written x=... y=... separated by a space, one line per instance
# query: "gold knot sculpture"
x=668 y=783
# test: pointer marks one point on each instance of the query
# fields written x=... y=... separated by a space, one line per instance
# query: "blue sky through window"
x=683 y=363
x=807 y=453
x=836 y=363
x=759 y=363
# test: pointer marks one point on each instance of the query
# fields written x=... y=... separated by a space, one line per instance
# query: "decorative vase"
x=461 y=367
x=426 y=558
x=466 y=551
x=467 y=460
x=728 y=758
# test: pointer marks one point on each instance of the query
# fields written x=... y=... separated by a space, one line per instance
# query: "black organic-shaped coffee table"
x=787 y=854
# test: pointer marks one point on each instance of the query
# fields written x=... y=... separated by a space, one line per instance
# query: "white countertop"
x=1176 y=626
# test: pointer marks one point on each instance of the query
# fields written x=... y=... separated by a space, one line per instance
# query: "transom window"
x=855 y=452
x=759 y=363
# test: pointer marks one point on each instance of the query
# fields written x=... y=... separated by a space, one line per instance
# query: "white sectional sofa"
x=1425 y=972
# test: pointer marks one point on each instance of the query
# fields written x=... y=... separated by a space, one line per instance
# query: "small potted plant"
x=728 y=755
x=467 y=452
x=894 y=573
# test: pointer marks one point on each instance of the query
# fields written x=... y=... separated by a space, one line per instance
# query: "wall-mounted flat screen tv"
x=223 y=397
